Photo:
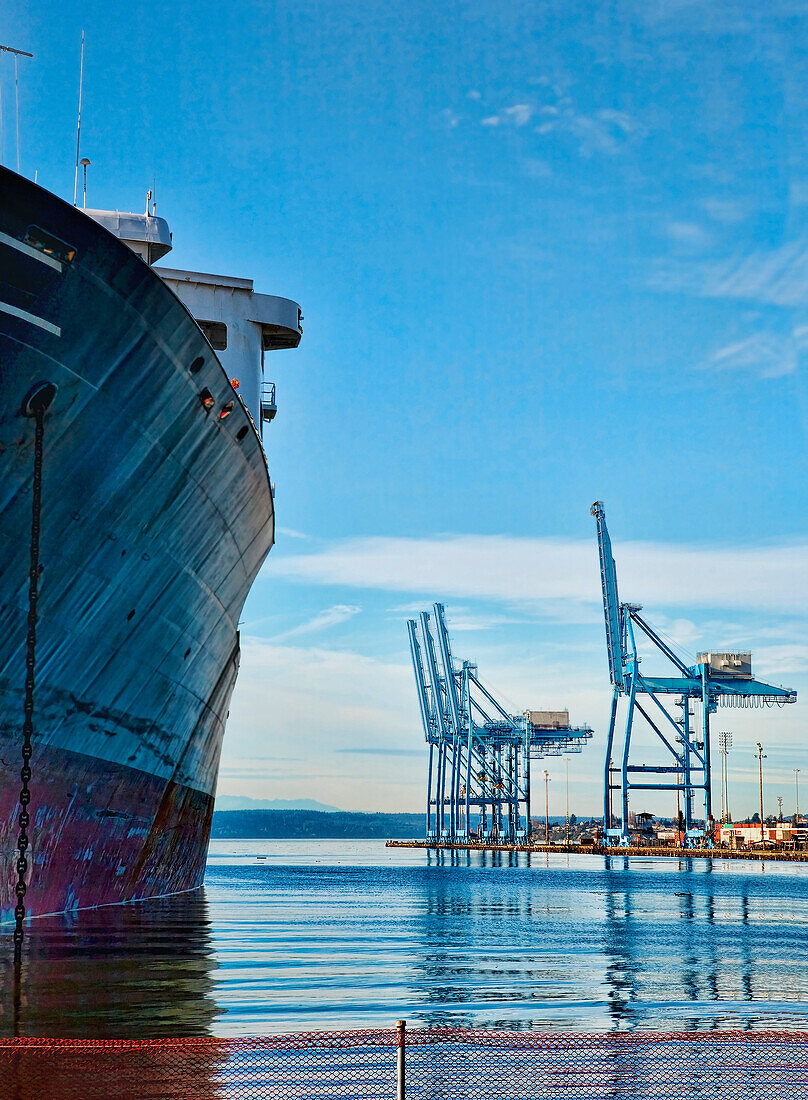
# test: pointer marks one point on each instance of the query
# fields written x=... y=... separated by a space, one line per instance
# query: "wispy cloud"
x=602 y=132
x=725 y=211
x=450 y=118
x=463 y=619
x=766 y=354
x=689 y=235
x=371 y=750
x=777 y=276
x=329 y=616
x=544 y=573
x=290 y=533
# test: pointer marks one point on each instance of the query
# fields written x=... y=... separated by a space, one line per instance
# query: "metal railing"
x=268 y=406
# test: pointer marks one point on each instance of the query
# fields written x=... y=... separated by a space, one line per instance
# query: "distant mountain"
x=241 y=802
x=310 y=824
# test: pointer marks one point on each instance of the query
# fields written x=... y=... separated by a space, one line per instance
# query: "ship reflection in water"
x=322 y=935
x=122 y=971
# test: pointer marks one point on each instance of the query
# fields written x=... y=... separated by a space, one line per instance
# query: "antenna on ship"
x=78 y=124
x=17 y=55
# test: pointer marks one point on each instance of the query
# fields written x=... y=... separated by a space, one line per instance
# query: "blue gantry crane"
x=479 y=755
x=716 y=679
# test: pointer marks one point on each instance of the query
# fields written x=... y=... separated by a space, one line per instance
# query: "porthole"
x=130 y=616
x=187 y=654
x=206 y=397
x=197 y=364
x=226 y=410
x=241 y=433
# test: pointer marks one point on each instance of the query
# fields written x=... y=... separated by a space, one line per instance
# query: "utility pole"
x=797 y=793
x=780 y=808
x=761 y=756
x=567 y=769
x=546 y=807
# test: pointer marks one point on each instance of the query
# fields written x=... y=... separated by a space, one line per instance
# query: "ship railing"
x=268 y=406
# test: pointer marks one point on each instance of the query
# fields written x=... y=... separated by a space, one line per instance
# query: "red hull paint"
x=103 y=833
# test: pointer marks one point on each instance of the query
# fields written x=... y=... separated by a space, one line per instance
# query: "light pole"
x=797 y=793
x=567 y=771
x=761 y=756
x=724 y=745
x=780 y=808
x=546 y=807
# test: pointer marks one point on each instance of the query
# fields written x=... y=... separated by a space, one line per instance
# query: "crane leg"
x=607 y=770
x=625 y=836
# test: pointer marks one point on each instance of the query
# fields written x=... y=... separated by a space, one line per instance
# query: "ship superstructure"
x=157 y=513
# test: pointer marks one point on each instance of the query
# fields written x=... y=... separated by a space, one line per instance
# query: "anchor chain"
x=35 y=405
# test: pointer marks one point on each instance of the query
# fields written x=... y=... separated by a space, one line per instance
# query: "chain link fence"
x=433 y=1064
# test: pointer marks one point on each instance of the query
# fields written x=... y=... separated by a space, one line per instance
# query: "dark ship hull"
x=156 y=516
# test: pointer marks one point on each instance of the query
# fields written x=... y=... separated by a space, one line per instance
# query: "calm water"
x=329 y=934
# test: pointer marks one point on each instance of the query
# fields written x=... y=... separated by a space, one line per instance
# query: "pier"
x=645 y=852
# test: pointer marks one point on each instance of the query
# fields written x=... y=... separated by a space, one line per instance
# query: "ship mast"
x=17 y=55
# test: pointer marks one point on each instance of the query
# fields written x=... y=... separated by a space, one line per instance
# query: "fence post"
x=401 y=1042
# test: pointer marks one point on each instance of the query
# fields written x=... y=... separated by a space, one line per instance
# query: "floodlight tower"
x=717 y=679
x=724 y=745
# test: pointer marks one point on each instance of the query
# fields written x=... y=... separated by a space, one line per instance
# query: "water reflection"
x=328 y=935
x=129 y=971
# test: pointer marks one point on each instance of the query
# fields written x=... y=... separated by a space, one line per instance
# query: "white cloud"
x=517 y=115
x=520 y=114
x=290 y=533
x=543 y=572
x=302 y=699
x=329 y=616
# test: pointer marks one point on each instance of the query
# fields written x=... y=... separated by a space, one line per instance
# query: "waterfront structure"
x=717 y=679
x=748 y=835
x=119 y=607
x=478 y=781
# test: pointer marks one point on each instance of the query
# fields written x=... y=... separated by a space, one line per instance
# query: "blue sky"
x=546 y=253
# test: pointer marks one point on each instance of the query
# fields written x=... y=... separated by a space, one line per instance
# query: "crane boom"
x=448 y=668
x=420 y=679
x=611 y=601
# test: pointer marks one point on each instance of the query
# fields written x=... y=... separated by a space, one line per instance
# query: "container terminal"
x=479 y=765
